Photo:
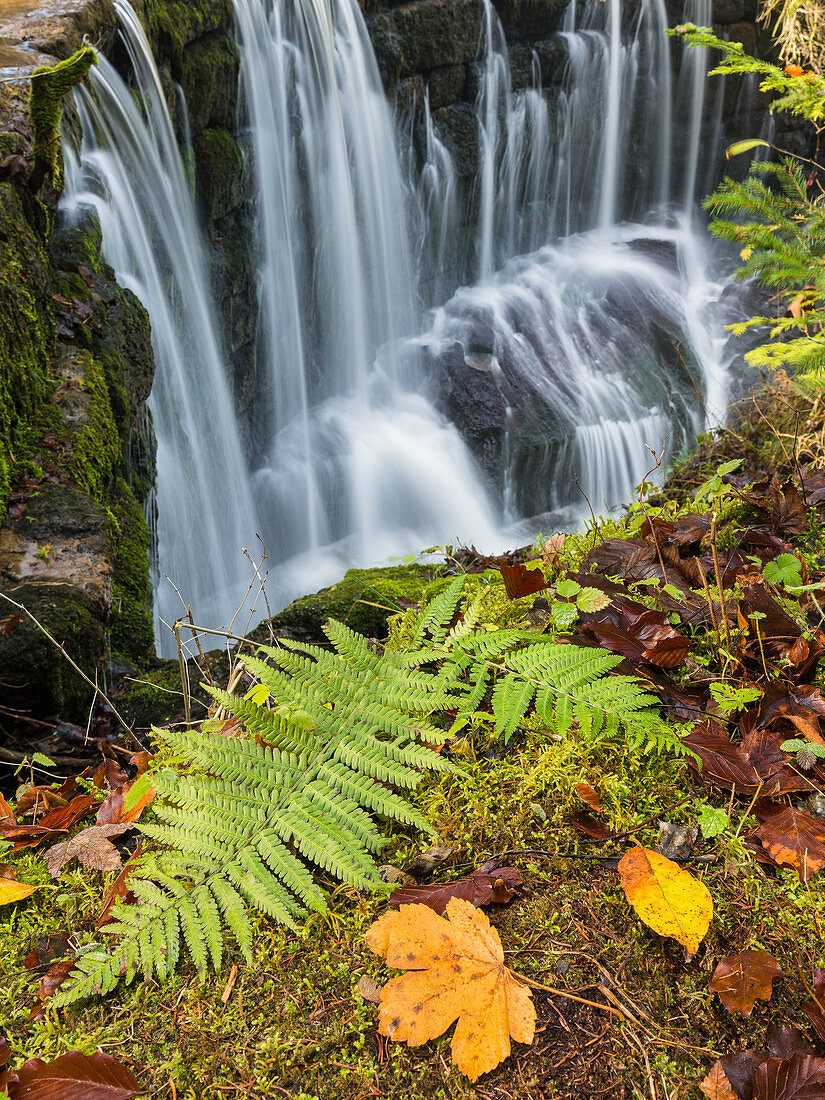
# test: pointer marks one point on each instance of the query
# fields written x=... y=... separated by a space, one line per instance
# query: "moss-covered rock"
x=132 y=634
x=219 y=172
x=56 y=562
x=425 y=35
x=209 y=78
x=50 y=84
x=27 y=330
x=364 y=599
x=530 y=18
x=172 y=24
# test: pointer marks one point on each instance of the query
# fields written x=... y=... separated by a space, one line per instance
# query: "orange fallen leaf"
x=12 y=890
x=666 y=897
x=743 y=979
x=458 y=974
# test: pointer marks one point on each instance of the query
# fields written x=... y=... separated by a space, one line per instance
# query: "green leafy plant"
x=240 y=820
x=730 y=699
x=776 y=220
x=712 y=821
x=565 y=685
x=807 y=752
x=785 y=570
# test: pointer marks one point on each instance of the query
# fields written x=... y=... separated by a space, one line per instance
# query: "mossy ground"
x=293 y=1025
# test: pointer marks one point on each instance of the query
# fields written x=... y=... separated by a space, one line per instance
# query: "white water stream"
x=604 y=333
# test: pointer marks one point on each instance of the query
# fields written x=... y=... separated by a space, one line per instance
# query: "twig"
x=184 y=676
x=76 y=667
x=263 y=586
x=563 y=993
x=719 y=583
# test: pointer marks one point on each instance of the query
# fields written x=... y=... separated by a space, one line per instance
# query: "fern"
x=777 y=225
x=241 y=826
x=518 y=670
x=330 y=743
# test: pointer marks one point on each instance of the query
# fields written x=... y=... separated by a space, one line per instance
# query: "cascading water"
x=601 y=343
x=132 y=175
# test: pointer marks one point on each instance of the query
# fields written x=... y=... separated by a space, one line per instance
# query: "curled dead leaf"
x=91 y=847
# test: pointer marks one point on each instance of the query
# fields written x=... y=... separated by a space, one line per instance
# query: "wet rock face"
x=57 y=562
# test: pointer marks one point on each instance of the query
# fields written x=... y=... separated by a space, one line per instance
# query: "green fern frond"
x=245 y=820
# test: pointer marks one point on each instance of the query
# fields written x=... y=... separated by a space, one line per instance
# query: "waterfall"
x=132 y=175
x=570 y=270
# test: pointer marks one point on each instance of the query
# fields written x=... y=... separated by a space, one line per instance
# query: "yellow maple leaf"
x=457 y=973
x=666 y=897
x=12 y=890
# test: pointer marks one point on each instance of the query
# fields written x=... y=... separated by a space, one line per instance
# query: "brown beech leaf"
x=520 y=581
x=815 y=1010
x=38 y=800
x=723 y=760
x=591 y=826
x=64 y=817
x=589 y=797
x=74 y=1076
x=6 y=813
x=91 y=847
x=785 y=1041
x=795 y=838
x=456 y=971
x=740 y=980
x=48 y=950
x=798 y=1078
x=716 y=1085
x=480 y=889
x=27 y=836
x=51 y=981
x=118 y=889
x=111 y=811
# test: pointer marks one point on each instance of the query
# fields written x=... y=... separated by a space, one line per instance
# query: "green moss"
x=173 y=24
x=364 y=600
x=27 y=331
x=219 y=168
x=50 y=84
x=95 y=447
x=132 y=633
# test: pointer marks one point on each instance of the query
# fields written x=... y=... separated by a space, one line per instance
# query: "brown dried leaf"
x=520 y=581
x=799 y=1078
x=369 y=989
x=795 y=838
x=716 y=1085
x=91 y=847
x=591 y=826
x=426 y=862
x=589 y=796
x=742 y=979
x=815 y=1010
x=74 y=1076
x=479 y=889
x=64 y=817
x=111 y=811
x=118 y=889
x=723 y=760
